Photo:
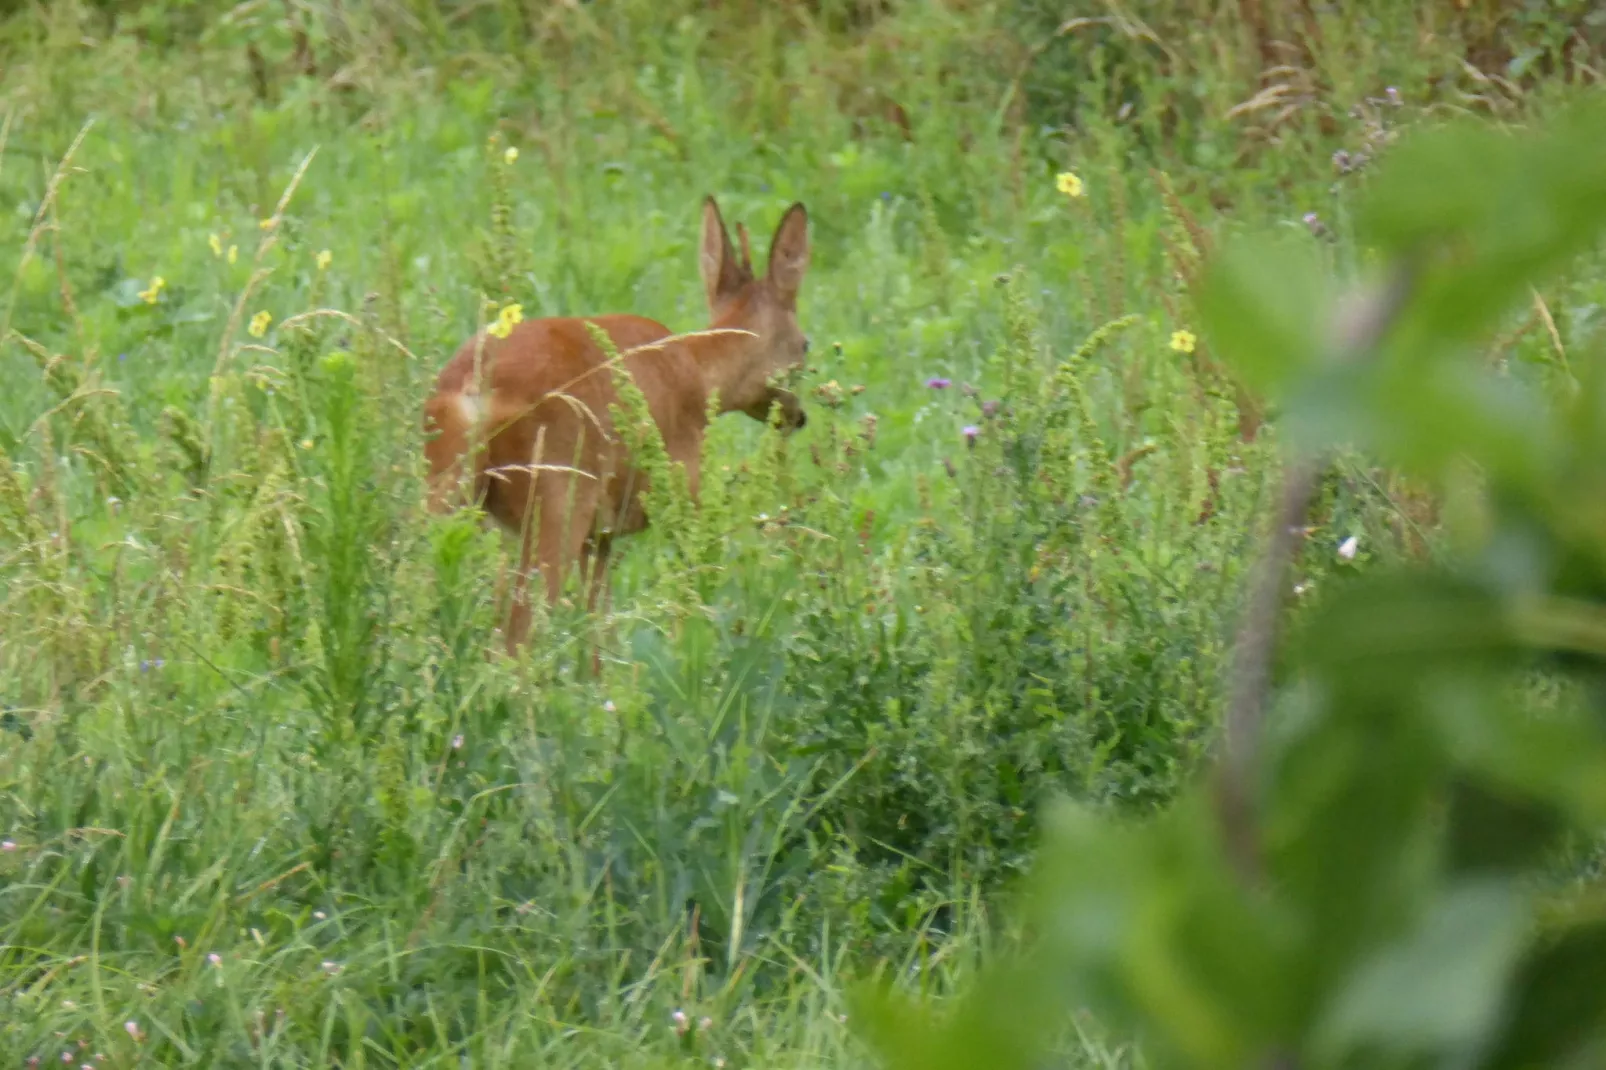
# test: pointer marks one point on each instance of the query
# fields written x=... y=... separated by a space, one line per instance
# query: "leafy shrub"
x=1371 y=878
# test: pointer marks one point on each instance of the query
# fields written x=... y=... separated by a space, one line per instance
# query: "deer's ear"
x=722 y=274
x=789 y=251
x=746 y=247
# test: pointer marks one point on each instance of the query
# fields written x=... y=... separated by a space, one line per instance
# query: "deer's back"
x=545 y=394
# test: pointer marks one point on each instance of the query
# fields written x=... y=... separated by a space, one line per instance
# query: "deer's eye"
x=805 y=344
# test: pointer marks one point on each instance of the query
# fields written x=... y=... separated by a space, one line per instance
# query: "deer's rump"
x=539 y=399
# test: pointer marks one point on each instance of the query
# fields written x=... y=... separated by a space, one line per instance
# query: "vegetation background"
x=266 y=799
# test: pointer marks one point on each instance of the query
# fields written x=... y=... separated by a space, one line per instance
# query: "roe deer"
x=536 y=403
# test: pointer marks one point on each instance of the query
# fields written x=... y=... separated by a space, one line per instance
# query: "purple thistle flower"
x=939 y=383
x=970 y=431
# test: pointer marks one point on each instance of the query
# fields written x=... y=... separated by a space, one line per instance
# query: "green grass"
x=249 y=706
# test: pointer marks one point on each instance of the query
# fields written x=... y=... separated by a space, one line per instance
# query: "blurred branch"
x=1361 y=322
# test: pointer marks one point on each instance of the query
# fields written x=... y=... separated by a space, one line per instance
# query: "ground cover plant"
x=267 y=798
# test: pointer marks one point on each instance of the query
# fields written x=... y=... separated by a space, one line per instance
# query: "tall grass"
x=268 y=797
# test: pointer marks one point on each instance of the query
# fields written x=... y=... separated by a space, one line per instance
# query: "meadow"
x=270 y=794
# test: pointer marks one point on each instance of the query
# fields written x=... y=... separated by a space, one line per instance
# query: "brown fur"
x=540 y=403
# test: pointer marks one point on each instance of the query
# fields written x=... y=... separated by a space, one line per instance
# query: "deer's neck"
x=725 y=364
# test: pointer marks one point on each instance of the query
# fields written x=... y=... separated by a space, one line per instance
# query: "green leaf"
x=1555 y=760
x=1148 y=925
x=1485 y=214
x=1437 y=989
x=1492 y=831
x=1558 y=1003
x=1260 y=304
x=1395 y=623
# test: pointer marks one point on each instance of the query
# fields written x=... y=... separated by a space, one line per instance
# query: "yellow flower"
x=505 y=320
x=259 y=323
x=216 y=244
x=1068 y=183
x=234 y=253
x=1183 y=341
x=510 y=155
x=154 y=290
x=306 y=443
x=323 y=260
x=269 y=223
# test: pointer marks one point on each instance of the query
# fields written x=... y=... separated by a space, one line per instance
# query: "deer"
x=520 y=424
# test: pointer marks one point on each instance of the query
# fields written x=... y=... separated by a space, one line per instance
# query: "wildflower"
x=704 y=1024
x=970 y=431
x=8 y=845
x=681 y=1022
x=259 y=323
x=1394 y=96
x=1347 y=548
x=215 y=959
x=323 y=260
x=505 y=321
x=234 y=253
x=330 y=968
x=132 y=1028
x=829 y=394
x=1069 y=184
x=1183 y=341
x=216 y=243
x=510 y=155
x=608 y=706
x=457 y=741
x=269 y=223
x=152 y=292
x=320 y=915
x=939 y=383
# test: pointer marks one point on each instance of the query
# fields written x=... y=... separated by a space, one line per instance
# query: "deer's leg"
x=552 y=543
x=598 y=550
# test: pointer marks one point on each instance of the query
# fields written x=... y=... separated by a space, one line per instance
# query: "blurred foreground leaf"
x=1415 y=785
